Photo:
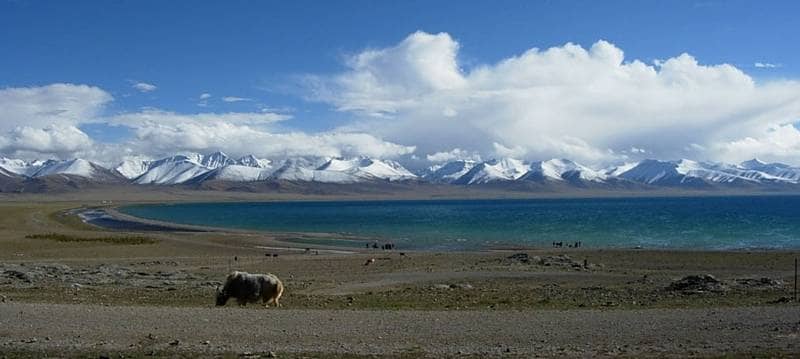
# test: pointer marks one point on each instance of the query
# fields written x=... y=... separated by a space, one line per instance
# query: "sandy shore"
x=76 y=289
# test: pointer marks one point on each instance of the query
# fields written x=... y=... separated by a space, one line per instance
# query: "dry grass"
x=131 y=240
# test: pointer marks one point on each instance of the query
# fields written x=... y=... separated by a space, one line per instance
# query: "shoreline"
x=124 y=222
x=127 y=223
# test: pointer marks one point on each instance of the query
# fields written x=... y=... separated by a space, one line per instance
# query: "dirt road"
x=681 y=332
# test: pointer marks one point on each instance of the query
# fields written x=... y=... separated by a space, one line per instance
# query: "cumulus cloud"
x=144 y=87
x=588 y=104
x=58 y=140
x=780 y=143
x=41 y=122
x=56 y=104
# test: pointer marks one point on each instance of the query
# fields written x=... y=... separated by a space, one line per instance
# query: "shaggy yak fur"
x=249 y=288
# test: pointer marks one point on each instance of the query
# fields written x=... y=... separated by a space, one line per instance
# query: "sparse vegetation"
x=130 y=240
x=70 y=220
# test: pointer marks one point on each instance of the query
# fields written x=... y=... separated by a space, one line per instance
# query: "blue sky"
x=264 y=52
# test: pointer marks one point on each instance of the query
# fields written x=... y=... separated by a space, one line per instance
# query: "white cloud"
x=453 y=155
x=235 y=99
x=58 y=140
x=161 y=133
x=144 y=87
x=766 y=65
x=587 y=104
x=41 y=122
x=204 y=97
x=591 y=105
x=56 y=104
x=151 y=117
x=780 y=143
x=157 y=139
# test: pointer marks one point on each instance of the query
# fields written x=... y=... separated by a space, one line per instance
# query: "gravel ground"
x=655 y=332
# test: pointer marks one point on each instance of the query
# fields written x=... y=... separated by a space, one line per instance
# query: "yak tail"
x=278 y=292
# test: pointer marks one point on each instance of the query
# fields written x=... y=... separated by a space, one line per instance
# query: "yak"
x=249 y=288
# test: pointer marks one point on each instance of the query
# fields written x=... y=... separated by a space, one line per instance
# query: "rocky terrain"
x=92 y=298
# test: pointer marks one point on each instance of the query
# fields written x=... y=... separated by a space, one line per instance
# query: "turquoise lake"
x=757 y=222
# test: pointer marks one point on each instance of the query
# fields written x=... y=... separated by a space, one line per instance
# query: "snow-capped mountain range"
x=217 y=166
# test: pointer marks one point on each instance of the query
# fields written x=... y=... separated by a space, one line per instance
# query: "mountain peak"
x=753 y=164
x=216 y=160
x=253 y=161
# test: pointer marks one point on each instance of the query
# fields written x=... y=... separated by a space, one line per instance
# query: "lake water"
x=762 y=222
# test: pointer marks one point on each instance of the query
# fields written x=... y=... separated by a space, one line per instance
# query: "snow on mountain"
x=507 y=169
x=5 y=173
x=656 y=172
x=19 y=167
x=75 y=167
x=192 y=156
x=218 y=166
x=653 y=172
x=305 y=170
x=449 y=171
x=724 y=173
x=133 y=167
x=778 y=170
x=183 y=168
x=706 y=171
x=238 y=173
x=252 y=161
x=615 y=171
x=368 y=169
x=694 y=172
x=172 y=170
x=562 y=169
x=216 y=160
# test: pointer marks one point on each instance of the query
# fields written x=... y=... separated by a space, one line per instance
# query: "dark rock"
x=759 y=283
x=519 y=257
x=780 y=300
x=697 y=284
x=15 y=274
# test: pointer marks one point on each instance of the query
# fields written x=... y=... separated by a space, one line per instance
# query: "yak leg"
x=274 y=300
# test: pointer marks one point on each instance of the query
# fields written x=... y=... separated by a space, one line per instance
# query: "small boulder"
x=519 y=257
